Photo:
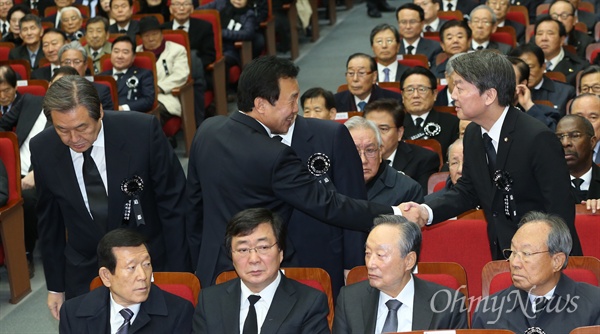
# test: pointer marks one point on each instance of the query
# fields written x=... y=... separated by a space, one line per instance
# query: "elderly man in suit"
x=121 y=11
x=31 y=33
x=52 y=40
x=72 y=23
x=385 y=42
x=432 y=22
x=127 y=302
x=413 y=160
x=455 y=38
x=9 y=96
x=262 y=297
x=564 y=12
x=500 y=8
x=506 y=170
x=55 y=18
x=318 y=103
x=96 y=35
x=542 y=299
x=589 y=107
x=392 y=299
x=410 y=24
x=98 y=170
x=483 y=24
x=589 y=80
x=361 y=77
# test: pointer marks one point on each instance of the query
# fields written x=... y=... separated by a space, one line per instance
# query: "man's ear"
x=105 y=276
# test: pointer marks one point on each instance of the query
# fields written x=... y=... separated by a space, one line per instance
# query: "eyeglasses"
x=386 y=41
x=69 y=62
x=360 y=74
x=181 y=5
x=369 y=153
x=508 y=253
x=6 y=3
x=421 y=90
x=261 y=250
x=563 y=16
x=384 y=129
x=408 y=22
x=587 y=89
x=570 y=135
x=484 y=22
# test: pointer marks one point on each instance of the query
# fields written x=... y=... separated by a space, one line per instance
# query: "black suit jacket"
x=52 y=19
x=105 y=97
x=318 y=244
x=344 y=101
x=22 y=116
x=519 y=30
x=234 y=161
x=162 y=312
x=588 y=18
x=20 y=52
x=356 y=308
x=296 y=308
x=134 y=27
x=42 y=73
x=3 y=184
x=393 y=187
x=503 y=48
x=448 y=132
x=134 y=145
x=426 y=47
x=569 y=66
x=580 y=41
x=141 y=100
x=556 y=92
x=594 y=190
x=465 y=6
x=442 y=98
x=416 y=162
x=533 y=158
x=201 y=39
x=439 y=70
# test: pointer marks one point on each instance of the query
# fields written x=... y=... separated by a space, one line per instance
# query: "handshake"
x=414 y=212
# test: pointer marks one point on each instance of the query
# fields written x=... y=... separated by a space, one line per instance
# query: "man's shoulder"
x=174 y=302
x=324 y=125
x=356 y=289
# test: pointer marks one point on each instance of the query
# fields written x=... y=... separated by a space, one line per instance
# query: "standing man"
x=513 y=164
x=52 y=40
x=96 y=171
x=96 y=35
x=31 y=33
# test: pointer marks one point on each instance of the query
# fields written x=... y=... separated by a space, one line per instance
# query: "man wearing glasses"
x=410 y=24
x=483 y=24
x=262 y=297
x=564 y=12
x=542 y=299
x=500 y=8
x=588 y=105
x=432 y=22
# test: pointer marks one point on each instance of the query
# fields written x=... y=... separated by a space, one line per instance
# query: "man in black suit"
x=410 y=24
x=513 y=163
x=262 y=297
x=128 y=302
x=121 y=11
x=542 y=87
x=455 y=38
x=431 y=22
x=419 y=91
x=465 y=6
x=588 y=105
x=564 y=12
x=272 y=175
x=394 y=300
x=132 y=178
x=31 y=32
x=55 y=18
x=52 y=40
x=586 y=17
x=9 y=96
x=500 y=8
x=361 y=77
x=415 y=161
x=483 y=22
x=385 y=42
x=135 y=85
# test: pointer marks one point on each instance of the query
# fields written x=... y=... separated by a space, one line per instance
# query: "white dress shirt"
x=405 y=312
x=393 y=67
x=587 y=180
x=262 y=305
x=116 y=319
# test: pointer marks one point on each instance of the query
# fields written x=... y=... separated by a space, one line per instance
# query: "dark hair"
x=383 y=27
x=414 y=7
x=69 y=92
x=55 y=31
x=121 y=237
x=455 y=23
x=373 y=64
x=17 y=8
x=562 y=31
x=421 y=71
x=29 y=18
x=8 y=76
x=581 y=96
x=129 y=1
x=390 y=106
x=125 y=39
x=573 y=9
x=260 y=78
x=592 y=69
x=410 y=238
x=319 y=92
x=582 y=121
x=97 y=19
x=529 y=48
x=64 y=70
x=521 y=66
x=486 y=70
x=246 y=221
x=559 y=238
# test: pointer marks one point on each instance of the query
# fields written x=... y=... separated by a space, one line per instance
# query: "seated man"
x=393 y=300
x=542 y=299
x=71 y=22
x=121 y=11
x=31 y=32
x=54 y=18
x=455 y=38
x=413 y=160
x=564 y=12
x=318 y=103
x=9 y=96
x=410 y=23
x=135 y=85
x=262 y=297
x=128 y=302
x=172 y=67
x=419 y=89
x=432 y=22
x=385 y=185
x=361 y=76
x=587 y=106
x=52 y=40
x=501 y=8
x=455 y=165
x=444 y=96
x=483 y=24
x=96 y=35
x=589 y=81
x=385 y=42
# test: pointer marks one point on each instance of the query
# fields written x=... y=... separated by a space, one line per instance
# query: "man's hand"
x=28 y=182
x=414 y=212
x=592 y=204
x=524 y=97
x=55 y=301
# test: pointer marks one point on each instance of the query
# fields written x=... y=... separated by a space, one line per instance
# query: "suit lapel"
x=301 y=139
x=479 y=156
x=229 y=304
x=506 y=139
x=154 y=305
x=422 y=314
x=402 y=157
x=282 y=304
x=95 y=308
x=368 y=307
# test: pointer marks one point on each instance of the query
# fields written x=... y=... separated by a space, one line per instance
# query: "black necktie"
x=122 y=31
x=419 y=122
x=95 y=54
x=580 y=195
x=480 y=47
x=120 y=75
x=94 y=187
x=181 y=28
x=409 y=49
x=428 y=29
x=251 y=324
x=391 y=321
x=4 y=32
x=491 y=153
x=127 y=314
x=449 y=6
x=277 y=138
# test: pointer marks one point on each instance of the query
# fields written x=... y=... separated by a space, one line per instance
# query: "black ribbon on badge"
x=132 y=187
x=504 y=182
x=132 y=84
x=318 y=165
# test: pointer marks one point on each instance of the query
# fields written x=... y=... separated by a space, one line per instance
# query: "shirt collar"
x=495 y=130
x=356 y=100
x=559 y=57
x=475 y=44
x=266 y=295
x=186 y=25
x=406 y=296
x=414 y=44
x=587 y=179
x=392 y=157
x=424 y=117
x=115 y=308
x=284 y=136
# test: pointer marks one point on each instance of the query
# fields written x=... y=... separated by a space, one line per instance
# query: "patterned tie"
x=33 y=56
x=251 y=323
x=361 y=105
x=119 y=76
x=94 y=187
x=491 y=153
x=391 y=321
x=548 y=66
x=409 y=49
x=386 y=72
x=419 y=122
x=127 y=314
x=449 y=6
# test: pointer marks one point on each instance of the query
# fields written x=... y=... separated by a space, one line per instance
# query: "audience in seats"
x=52 y=40
x=128 y=301
x=103 y=10
x=586 y=17
x=393 y=299
x=564 y=12
x=464 y=6
x=432 y=22
x=96 y=35
x=455 y=38
x=318 y=103
x=541 y=299
x=385 y=185
x=31 y=31
x=385 y=44
x=413 y=160
x=483 y=24
x=550 y=36
x=55 y=17
x=135 y=85
x=4 y=21
x=501 y=8
x=121 y=11
x=589 y=81
x=15 y=14
x=419 y=91
x=455 y=165
x=361 y=77
x=542 y=87
x=586 y=105
x=9 y=96
x=71 y=22
x=265 y=300
x=410 y=24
